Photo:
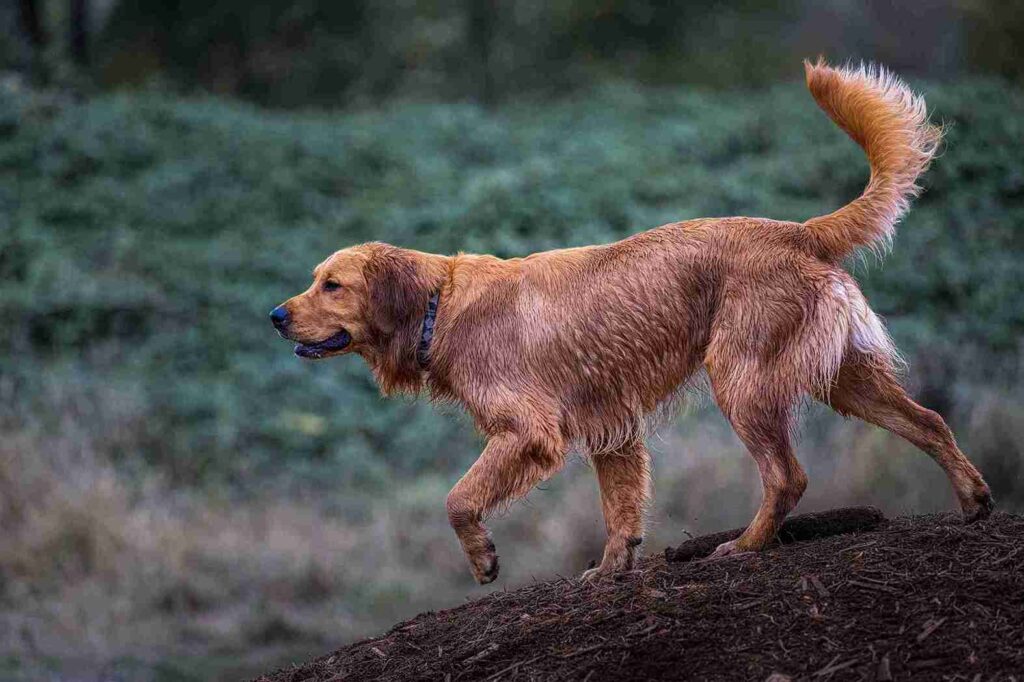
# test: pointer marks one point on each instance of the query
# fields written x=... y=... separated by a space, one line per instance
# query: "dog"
x=573 y=349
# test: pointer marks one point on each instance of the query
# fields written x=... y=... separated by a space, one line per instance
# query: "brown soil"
x=923 y=598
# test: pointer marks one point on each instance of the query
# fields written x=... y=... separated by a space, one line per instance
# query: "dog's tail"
x=890 y=123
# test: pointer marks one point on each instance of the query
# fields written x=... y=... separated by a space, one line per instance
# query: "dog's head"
x=368 y=299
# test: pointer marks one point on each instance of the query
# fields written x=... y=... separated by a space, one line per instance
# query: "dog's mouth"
x=321 y=349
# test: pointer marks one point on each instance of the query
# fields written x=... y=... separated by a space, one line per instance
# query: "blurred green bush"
x=144 y=239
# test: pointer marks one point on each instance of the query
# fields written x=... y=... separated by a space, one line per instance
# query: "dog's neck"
x=403 y=354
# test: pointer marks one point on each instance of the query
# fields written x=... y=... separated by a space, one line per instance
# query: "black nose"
x=279 y=316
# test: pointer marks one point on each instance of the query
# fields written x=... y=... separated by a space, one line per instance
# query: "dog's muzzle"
x=281 y=320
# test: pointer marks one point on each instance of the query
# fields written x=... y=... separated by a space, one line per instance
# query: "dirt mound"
x=918 y=598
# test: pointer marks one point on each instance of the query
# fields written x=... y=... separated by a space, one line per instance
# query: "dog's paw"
x=729 y=550
x=980 y=508
x=602 y=573
x=485 y=565
x=620 y=556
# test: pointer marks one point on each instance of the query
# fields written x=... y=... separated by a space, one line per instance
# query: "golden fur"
x=576 y=347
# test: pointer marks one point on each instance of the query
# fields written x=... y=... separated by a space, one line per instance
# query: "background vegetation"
x=297 y=53
x=181 y=498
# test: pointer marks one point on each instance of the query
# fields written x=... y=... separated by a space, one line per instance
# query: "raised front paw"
x=484 y=564
x=980 y=506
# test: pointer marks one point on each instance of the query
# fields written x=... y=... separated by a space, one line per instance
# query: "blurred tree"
x=480 y=26
x=31 y=23
x=995 y=33
x=25 y=50
x=37 y=58
x=78 y=31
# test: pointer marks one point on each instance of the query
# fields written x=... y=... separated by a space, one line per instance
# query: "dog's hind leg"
x=764 y=355
x=624 y=476
x=510 y=465
x=765 y=429
x=866 y=387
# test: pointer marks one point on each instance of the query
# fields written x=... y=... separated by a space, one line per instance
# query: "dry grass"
x=103 y=571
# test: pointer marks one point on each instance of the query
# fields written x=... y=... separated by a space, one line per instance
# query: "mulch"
x=922 y=598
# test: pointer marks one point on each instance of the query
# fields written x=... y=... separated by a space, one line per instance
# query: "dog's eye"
x=331 y=285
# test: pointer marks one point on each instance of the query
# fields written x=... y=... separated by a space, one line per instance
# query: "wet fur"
x=579 y=348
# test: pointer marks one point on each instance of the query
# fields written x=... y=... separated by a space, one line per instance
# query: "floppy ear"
x=397 y=301
x=394 y=288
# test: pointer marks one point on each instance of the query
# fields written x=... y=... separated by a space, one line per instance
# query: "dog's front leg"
x=624 y=476
x=508 y=468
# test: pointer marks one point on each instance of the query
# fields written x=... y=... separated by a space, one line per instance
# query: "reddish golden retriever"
x=574 y=348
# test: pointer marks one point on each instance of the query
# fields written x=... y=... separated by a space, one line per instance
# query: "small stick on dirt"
x=930 y=627
x=834 y=667
x=795 y=529
x=884 y=673
x=515 y=666
x=491 y=648
x=871 y=586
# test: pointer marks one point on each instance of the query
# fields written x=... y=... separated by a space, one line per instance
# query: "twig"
x=515 y=666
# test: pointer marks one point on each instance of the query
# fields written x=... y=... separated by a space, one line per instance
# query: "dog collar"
x=427 y=335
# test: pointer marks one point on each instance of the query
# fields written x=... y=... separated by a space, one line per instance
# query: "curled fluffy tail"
x=890 y=123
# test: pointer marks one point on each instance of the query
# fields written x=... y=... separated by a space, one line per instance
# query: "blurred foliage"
x=318 y=52
x=288 y=52
x=145 y=238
